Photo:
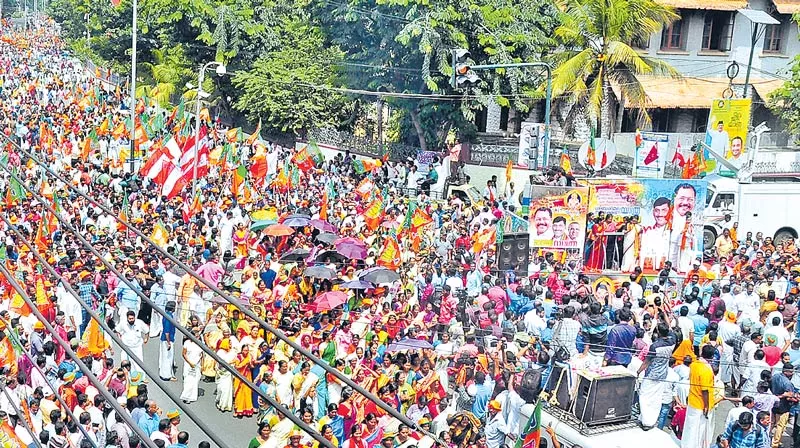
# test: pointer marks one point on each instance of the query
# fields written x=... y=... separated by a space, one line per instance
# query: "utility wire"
x=279 y=334
x=68 y=227
x=52 y=387
x=83 y=368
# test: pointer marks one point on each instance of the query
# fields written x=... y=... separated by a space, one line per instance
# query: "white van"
x=571 y=432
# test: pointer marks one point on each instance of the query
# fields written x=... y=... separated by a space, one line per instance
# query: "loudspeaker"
x=604 y=398
x=514 y=253
x=530 y=385
x=558 y=387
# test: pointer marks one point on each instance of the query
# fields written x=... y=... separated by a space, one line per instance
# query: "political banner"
x=726 y=134
x=558 y=220
x=651 y=155
x=644 y=222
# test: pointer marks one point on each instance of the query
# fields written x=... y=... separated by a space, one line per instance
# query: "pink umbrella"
x=351 y=248
x=323 y=225
x=329 y=300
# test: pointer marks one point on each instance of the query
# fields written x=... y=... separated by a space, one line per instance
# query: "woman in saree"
x=240 y=237
x=327 y=348
x=242 y=394
x=212 y=335
x=597 y=253
x=224 y=399
x=372 y=431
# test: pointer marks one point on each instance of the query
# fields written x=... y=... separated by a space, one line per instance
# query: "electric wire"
x=52 y=387
x=134 y=357
x=145 y=439
x=279 y=334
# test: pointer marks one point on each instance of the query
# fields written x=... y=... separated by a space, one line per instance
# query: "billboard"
x=558 y=220
x=726 y=133
x=651 y=155
x=645 y=223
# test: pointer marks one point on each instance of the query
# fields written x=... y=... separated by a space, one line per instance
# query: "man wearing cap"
x=496 y=428
x=37 y=339
x=67 y=392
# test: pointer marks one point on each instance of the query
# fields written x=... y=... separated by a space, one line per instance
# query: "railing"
x=361 y=145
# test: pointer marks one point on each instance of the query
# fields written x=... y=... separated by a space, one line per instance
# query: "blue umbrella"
x=357 y=284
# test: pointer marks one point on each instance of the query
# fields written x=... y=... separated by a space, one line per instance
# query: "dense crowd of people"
x=400 y=293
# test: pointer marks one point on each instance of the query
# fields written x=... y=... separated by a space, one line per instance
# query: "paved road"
x=236 y=432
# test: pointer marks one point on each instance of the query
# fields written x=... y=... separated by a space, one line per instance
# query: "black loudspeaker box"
x=558 y=388
x=604 y=399
x=513 y=254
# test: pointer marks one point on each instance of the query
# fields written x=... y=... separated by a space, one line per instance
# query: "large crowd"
x=399 y=292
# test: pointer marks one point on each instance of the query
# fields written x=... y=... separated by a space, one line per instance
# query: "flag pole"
x=133 y=88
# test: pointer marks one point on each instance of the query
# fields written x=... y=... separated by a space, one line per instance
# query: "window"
x=672 y=37
x=773 y=39
x=724 y=200
x=717 y=30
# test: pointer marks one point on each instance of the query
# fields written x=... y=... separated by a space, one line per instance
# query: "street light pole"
x=200 y=78
x=133 y=89
x=547 y=100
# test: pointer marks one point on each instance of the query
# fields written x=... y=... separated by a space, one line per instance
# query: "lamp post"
x=133 y=86
x=756 y=17
x=221 y=70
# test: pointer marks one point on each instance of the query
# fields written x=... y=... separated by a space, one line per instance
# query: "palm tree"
x=596 y=36
x=165 y=75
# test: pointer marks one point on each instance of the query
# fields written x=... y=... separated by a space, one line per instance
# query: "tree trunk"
x=418 y=127
x=605 y=112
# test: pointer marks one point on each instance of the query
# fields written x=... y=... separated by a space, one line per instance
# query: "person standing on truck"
x=699 y=427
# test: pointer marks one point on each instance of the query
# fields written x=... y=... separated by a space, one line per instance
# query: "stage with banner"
x=558 y=222
x=645 y=223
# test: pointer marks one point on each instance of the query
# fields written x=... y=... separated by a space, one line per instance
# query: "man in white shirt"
x=747 y=304
x=134 y=334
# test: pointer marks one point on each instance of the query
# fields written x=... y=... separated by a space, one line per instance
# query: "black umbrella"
x=323 y=256
x=378 y=275
x=294 y=255
x=304 y=211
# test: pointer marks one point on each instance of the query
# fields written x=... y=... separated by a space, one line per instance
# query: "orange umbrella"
x=278 y=230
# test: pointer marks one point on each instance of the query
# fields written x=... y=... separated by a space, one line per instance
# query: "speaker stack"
x=604 y=396
x=513 y=254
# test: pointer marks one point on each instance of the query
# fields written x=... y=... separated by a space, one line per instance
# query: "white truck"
x=767 y=204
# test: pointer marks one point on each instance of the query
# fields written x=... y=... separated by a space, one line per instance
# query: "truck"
x=767 y=205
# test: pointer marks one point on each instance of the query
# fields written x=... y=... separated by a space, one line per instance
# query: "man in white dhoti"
x=698 y=431
x=655 y=369
x=134 y=334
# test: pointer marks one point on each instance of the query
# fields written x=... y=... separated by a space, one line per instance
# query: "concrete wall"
x=695 y=62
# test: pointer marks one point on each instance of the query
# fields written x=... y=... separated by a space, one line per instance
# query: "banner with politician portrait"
x=726 y=133
x=646 y=223
x=558 y=220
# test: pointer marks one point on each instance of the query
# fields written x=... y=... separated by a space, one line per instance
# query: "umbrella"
x=262 y=215
x=357 y=284
x=329 y=300
x=294 y=255
x=326 y=254
x=322 y=225
x=278 y=230
x=261 y=225
x=320 y=272
x=304 y=211
x=408 y=344
x=296 y=221
x=378 y=275
x=327 y=238
x=351 y=248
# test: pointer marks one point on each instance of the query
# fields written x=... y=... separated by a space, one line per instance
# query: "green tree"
x=596 y=36
x=402 y=46
x=168 y=73
x=785 y=102
x=289 y=87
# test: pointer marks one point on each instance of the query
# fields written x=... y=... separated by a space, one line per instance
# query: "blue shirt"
x=148 y=423
x=178 y=445
x=700 y=325
x=482 y=397
x=620 y=343
x=738 y=438
x=167 y=328
x=127 y=297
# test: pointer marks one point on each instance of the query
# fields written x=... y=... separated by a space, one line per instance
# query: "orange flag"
x=323 y=210
x=509 y=171
x=390 y=255
x=93 y=341
x=86 y=149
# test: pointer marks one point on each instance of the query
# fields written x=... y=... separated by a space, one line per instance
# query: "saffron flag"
x=93 y=342
x=419 y=219
x=638 y=139
x=591 y=156
x=390 y=254
x=302 y=160
x=566 y=163
x=373 y=215
x=365 y=187
x=533 y=429
x=258 y=165
x=103 y=129
x=160 y=235
x=239 y=176
x=323 y=208
x=255 y=135
x=509 y=170
x=119 y=131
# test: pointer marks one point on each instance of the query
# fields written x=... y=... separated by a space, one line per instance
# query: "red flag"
x=116 y=3
x=678 y=159
x=390 y=255
x=652 y=156
x=604 y=160
x=303 y=160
